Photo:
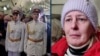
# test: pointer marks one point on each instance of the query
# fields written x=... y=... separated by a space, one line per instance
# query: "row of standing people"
x=29 y=37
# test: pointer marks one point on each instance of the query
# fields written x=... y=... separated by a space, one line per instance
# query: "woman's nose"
x=74 y=25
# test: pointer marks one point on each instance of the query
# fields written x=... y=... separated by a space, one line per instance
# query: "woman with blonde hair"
x=79 y=21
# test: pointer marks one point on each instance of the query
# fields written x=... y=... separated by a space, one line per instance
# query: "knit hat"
x=84 y=6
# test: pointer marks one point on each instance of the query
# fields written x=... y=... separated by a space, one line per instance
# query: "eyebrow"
x=77 y=15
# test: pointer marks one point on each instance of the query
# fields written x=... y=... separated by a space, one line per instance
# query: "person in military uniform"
x=15 y=34
x=35 y=37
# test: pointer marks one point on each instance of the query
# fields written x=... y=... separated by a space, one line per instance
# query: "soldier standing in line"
x=15 y=34
x=35 y=37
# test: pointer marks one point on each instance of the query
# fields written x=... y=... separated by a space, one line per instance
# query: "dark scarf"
x=79 y=52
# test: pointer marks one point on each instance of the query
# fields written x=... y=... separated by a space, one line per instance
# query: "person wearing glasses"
x=35 y=37
x=79 y=21
x=15 y=33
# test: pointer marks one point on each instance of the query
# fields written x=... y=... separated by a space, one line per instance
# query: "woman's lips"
x=75 y=35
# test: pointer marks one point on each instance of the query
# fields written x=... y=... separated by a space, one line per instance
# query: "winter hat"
x=85 y=6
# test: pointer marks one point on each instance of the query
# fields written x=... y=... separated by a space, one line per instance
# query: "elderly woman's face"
x=78 y=28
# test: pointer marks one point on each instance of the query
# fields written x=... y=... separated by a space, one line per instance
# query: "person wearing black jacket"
x=2 y=35
x=2 y=31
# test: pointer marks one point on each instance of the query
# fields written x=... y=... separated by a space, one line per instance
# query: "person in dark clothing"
x=2 y=35
x=48 y=37
x=2 y=31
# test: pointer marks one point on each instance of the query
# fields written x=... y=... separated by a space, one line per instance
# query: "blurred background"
x=7 y=5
